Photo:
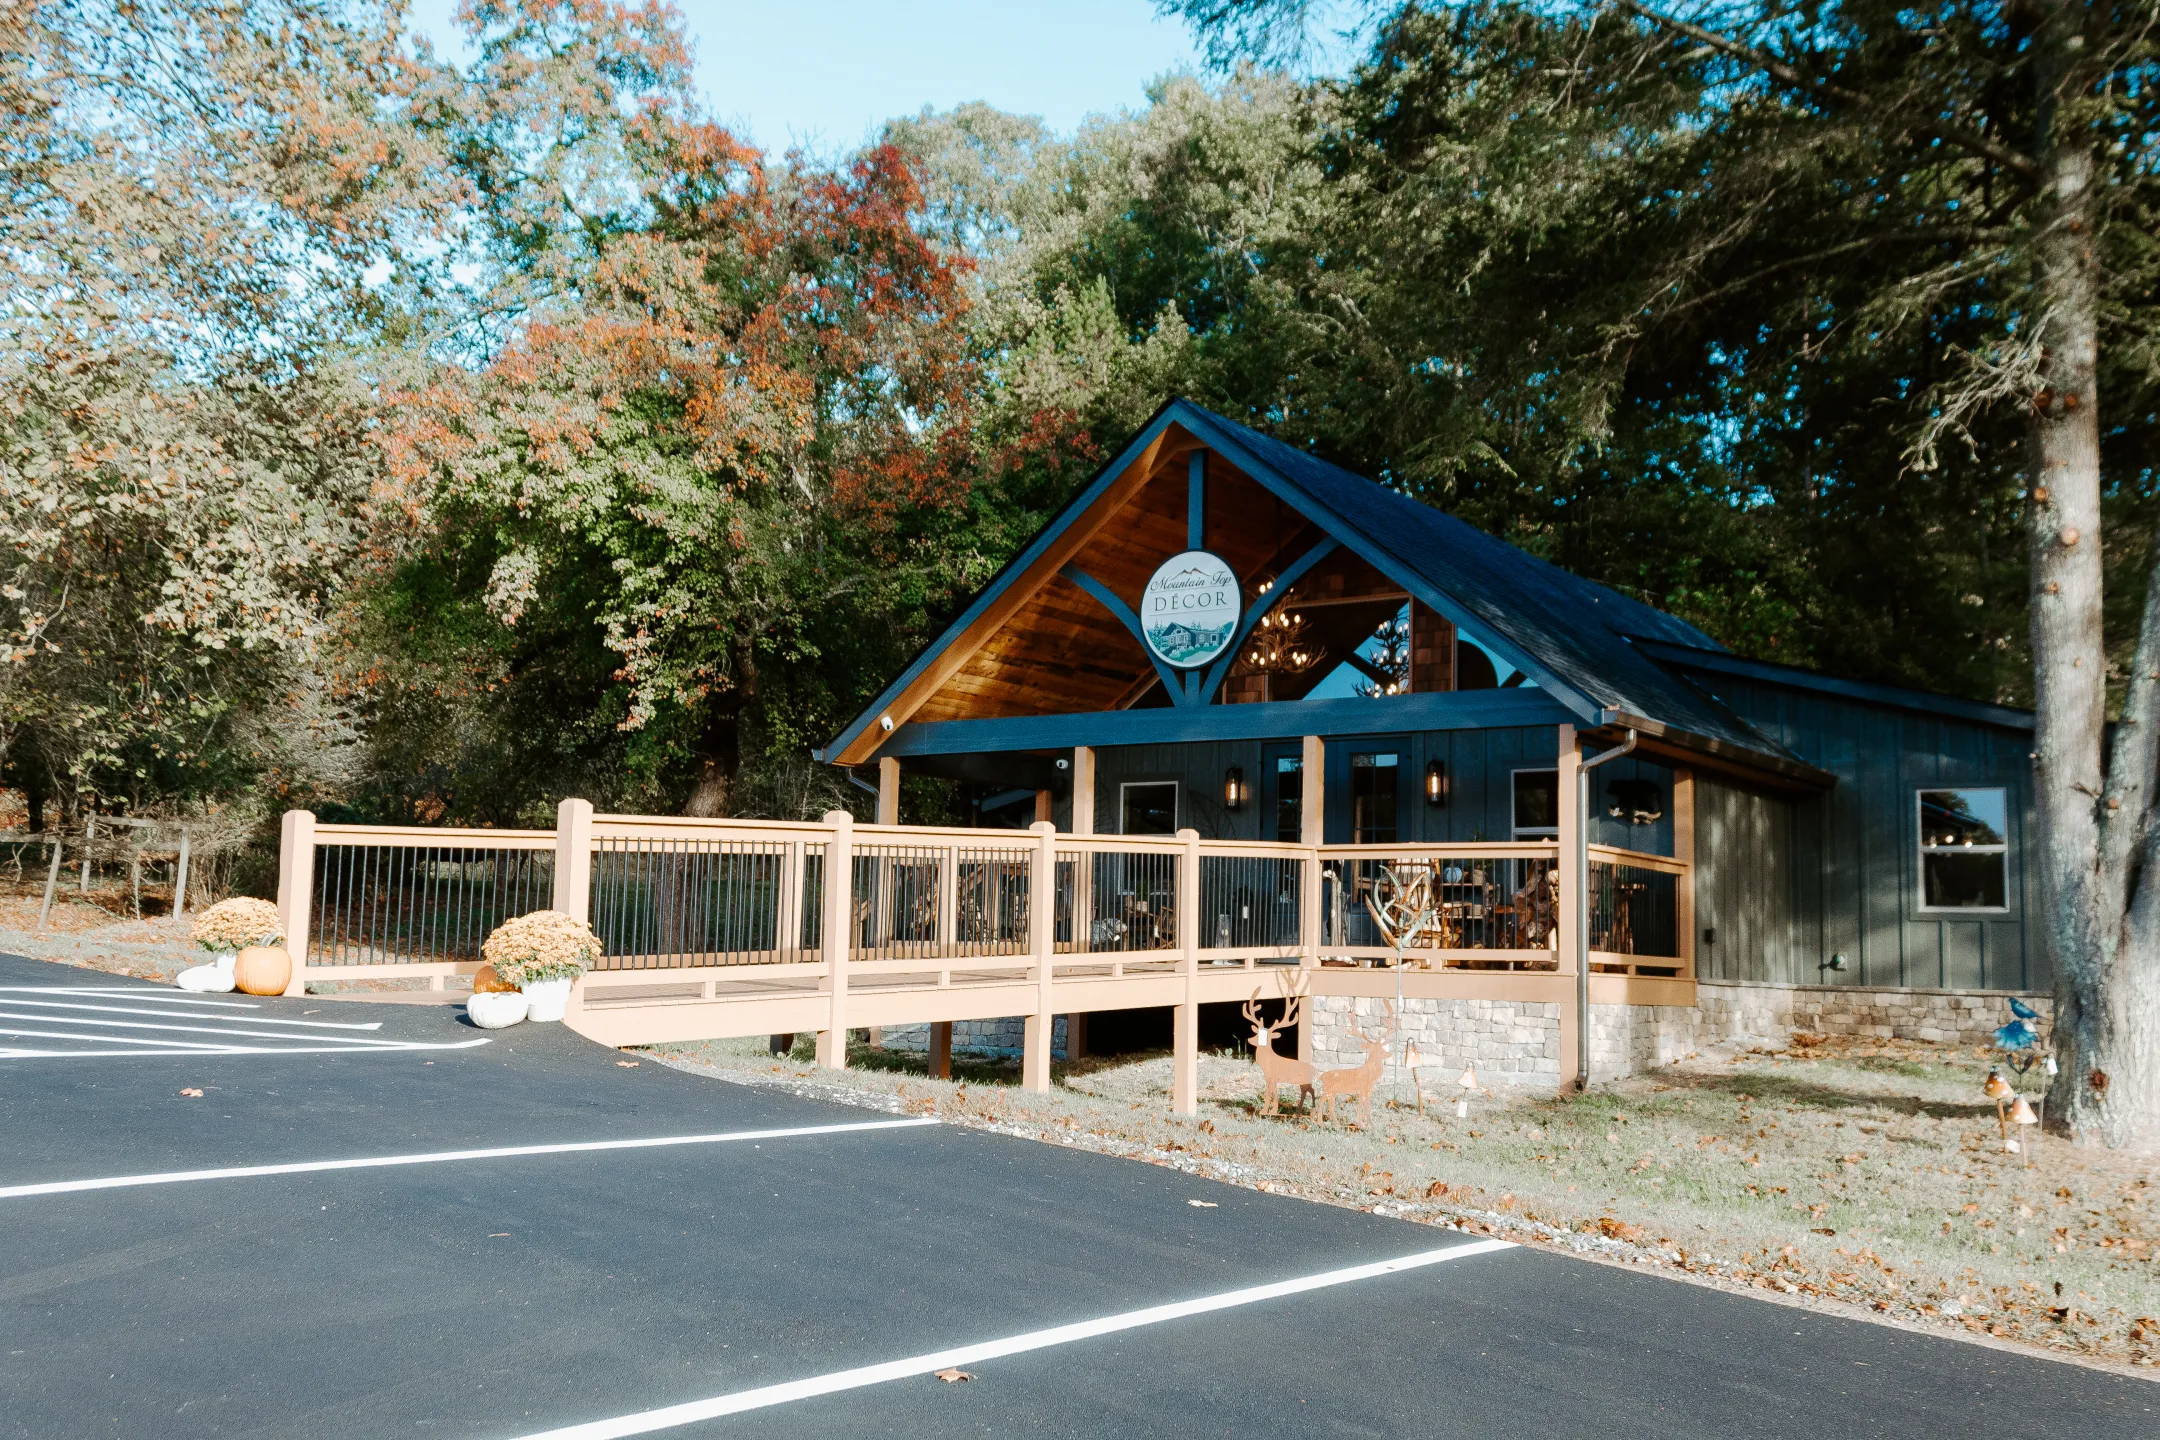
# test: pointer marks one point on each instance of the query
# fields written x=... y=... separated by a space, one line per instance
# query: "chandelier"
x=1281 y=644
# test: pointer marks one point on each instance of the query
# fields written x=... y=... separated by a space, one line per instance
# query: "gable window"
x=1148 y=808
x=1964 y=849
x=1537 y=804
x=1375 y=780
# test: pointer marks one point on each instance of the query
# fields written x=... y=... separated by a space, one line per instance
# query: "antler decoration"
x=1407 y=911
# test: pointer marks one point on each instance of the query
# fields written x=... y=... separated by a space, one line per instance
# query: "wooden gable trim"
x=1052 y=551
x=1231 y=449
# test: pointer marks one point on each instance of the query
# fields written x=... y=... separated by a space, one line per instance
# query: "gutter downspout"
x=1582 y=908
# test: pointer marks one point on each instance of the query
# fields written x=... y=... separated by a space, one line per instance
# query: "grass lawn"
x=1857 y=1174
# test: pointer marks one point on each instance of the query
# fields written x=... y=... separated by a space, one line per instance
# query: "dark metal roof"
x=1572 y=637
x=1693 y=659
x=1576 y=631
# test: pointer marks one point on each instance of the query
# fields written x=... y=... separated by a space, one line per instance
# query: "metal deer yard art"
x=1276 y=1070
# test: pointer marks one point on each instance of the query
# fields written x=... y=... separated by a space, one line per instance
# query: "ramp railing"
x=936 y=923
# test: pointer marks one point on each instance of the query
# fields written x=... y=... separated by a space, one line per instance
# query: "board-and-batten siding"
x=1853 y=881
x=1480 y=766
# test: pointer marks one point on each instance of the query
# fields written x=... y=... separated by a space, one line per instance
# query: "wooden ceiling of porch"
x=1060 y=652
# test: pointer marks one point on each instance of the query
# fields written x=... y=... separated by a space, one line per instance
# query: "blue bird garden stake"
x=2021 y=1047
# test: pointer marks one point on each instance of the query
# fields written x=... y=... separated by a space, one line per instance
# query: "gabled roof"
x=1574 y=638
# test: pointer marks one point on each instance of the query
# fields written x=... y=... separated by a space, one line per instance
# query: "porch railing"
x=1483 y=906
x=713 y=904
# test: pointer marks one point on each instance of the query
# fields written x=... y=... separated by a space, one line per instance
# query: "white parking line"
x=168 y=1010
x=221 y=1028
x=89 y=1019
x=438 y=1157
x=645 y=1422
x=132 y=992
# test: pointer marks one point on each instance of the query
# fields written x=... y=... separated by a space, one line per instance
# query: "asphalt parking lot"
x=331 y=1240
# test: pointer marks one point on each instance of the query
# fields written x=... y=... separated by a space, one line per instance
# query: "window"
x=1964 y=850
x=1537 y=804
x=1149 y=808
x=1375 y=779
x=1288 y=778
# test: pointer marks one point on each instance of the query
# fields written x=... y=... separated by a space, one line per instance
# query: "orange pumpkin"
x=486 y=982
x=262 y=970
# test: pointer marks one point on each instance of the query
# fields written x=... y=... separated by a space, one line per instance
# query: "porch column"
x=1683 y=849
x=1045 y=806
x=1573 y=894
x=1042 y=951
x=1083 y=799
x=1185 y=1018
x=941 y=1049
x=1312 y=823
x=888 y=790
x=1083 y=905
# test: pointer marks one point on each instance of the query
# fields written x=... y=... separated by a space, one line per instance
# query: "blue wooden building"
x=1226 y=634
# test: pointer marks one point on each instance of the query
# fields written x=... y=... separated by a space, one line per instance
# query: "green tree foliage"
x=712 y=479
x=192 y=198
x=1812 y=228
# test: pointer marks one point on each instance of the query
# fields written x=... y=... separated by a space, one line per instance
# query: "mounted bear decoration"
x=1638 y=802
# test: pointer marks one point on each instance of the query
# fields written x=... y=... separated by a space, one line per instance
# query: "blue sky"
x=826 y=74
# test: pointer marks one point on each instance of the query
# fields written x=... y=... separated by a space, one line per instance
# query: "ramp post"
x=1042 y=952
x=1185 y=1020
x=296 y=891
x=839 y=935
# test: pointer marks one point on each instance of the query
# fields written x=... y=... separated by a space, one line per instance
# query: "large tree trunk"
x=2089 y=854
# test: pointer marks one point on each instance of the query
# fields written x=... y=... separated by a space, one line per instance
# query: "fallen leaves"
x=192 y=1093
x=626 y=1064
x=1203 y=1204
x=951 y=1377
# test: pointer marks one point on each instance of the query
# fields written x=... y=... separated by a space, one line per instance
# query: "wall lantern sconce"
x=1235 y=792
x=1436 y=782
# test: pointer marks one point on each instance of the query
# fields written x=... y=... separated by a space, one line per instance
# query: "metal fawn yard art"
x=1355 y=1082
x=1403 y=905
x=1276 y=1070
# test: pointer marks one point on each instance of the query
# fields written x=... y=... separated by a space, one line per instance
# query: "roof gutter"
x=1795 y=773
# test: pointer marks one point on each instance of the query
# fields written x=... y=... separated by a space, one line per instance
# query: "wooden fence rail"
x=728 y=927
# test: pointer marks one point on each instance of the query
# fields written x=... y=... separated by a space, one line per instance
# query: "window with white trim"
x=1148 y=807
x=1537 y=804
x=1964 y=849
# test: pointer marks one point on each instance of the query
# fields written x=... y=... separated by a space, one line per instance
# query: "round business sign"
x=1189 y=611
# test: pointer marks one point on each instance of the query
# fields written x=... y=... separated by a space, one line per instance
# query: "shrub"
x=544 y=945
x=236 y=924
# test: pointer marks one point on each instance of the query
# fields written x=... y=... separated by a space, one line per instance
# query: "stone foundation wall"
x=1736 y=1010
x=1519 y=1042
x=1633 y=1039
x=1510 y=1042
x=978 y=1037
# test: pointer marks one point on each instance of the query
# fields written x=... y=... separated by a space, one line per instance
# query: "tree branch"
x=2024 y=166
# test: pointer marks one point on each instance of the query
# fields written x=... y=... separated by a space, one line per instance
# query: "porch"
x=717 y=929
